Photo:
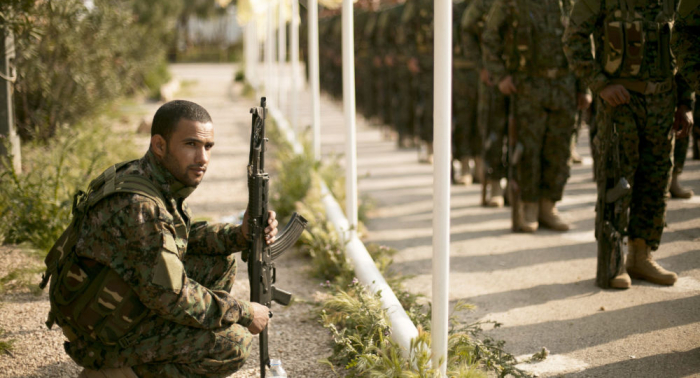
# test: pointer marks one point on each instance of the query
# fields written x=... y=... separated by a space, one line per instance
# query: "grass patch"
x=6 y=346
x=353 y=314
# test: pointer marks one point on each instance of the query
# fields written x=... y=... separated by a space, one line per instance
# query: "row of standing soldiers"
x=523 y=71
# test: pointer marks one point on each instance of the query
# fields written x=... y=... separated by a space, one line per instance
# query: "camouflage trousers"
x=644 y=129
x=493 y=125
x=466 y=138
x=173 y=350
x=545 y=114
x=425 y=103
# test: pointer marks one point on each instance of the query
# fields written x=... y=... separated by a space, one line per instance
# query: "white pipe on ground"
x=349 y=112
x=315 y=79
x=442 y=90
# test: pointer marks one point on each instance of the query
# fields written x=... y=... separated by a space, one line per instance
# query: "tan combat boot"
x=465 y=177
x=677 y=191
x=124 y=372
x=496 y=199
x=641 y=266
x=529 y=216
x=549 y=216
x=622 y=280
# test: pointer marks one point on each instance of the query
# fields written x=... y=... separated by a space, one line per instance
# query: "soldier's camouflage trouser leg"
x=466 y=138
x=426 y=98
x=545 y=122
x=644 y=129
x=493 y=125
x=191 y=352
x=680 y=151
x=404 y=105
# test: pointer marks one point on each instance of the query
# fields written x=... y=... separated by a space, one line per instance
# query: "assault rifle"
x=610 y=214
x=515 y=151
x=262 y=273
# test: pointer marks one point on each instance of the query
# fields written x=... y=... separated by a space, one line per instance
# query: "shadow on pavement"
x=668 y=365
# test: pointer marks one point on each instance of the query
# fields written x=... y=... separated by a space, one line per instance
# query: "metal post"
x=281 y=55
x=315 y=79
x=295 y=66
x=442 y=89
x=7 y=119
x=269 y=43
x=349 y=110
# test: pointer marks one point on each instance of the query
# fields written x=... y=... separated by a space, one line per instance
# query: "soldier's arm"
x=577 y=44
x=492 y=39
x=145 y=254
x=470 y=30
x=686 y=42
x=216 y=239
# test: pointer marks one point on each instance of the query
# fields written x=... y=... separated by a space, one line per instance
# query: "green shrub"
x=40 y=199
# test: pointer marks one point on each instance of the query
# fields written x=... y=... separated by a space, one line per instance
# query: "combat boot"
x=640 y=265
x=465 y=178
x=622 y=280
x=124 y=372
x=529 y=216
x=478 y=169
x=677 y=191
x=549 y=216
x=496 y=199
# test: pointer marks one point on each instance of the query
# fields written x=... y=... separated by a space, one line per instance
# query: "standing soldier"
x=417 y=26
x=492 y=104
x=466 y=138
x=632 y=76
x=536 y=75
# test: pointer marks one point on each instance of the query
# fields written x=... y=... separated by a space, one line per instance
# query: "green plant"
x=6 y=345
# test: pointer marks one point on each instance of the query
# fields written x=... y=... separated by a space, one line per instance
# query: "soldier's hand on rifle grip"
x=507 y=86
x=271 y=229
x=683 y=121
x=261 y=316
x=615 y=95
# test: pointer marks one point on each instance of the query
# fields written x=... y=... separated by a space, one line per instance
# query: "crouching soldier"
x=137 y=288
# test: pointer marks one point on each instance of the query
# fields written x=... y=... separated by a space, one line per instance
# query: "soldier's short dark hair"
x=169 y=115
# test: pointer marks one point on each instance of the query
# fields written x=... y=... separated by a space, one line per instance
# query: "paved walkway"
x=540 y=286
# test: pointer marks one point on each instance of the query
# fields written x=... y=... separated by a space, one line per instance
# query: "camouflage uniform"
x=492 y=104
x=407 y=98
x=546 y=89
x=182 y=273
x=466 y=138
x=644 y=124
x=686 y=41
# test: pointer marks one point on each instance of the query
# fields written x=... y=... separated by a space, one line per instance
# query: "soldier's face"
x=188 y=151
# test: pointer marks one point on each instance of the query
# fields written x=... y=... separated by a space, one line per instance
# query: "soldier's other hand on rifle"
x=507 y=86
x=584 y=101
x=683 y=121
x=261 y=316
x=615 y=94
x=270 y=231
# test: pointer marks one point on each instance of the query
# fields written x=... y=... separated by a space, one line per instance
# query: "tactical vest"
x=627 y=35
x=89 y=298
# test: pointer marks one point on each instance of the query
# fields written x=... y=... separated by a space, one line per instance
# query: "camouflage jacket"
x=536 y=28
x=146 y=244
x=471 y=28
x=686 y=42
x=589 y=17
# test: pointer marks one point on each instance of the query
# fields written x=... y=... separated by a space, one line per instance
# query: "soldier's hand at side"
x=271 y=229
x=485 y=77
x=261 y=316
x=615 y=94
x=683 y=121
x=413 y=65
x=584 y=100
x=507 y=86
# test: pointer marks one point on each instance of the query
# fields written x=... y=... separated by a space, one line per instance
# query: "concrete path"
x=540 y=286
